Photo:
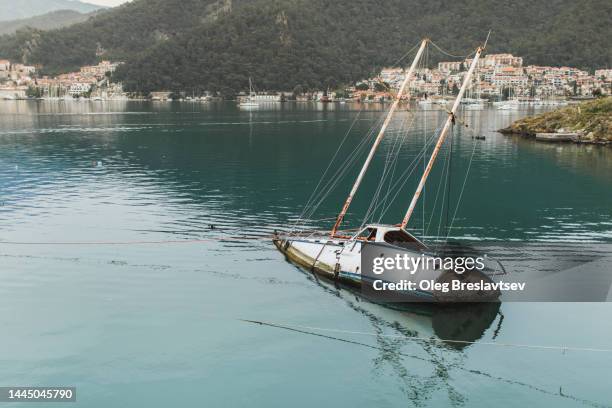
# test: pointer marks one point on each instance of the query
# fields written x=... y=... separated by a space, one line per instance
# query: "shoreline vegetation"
x=589 y=122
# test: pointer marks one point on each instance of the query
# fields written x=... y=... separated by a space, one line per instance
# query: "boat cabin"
x=390 y=234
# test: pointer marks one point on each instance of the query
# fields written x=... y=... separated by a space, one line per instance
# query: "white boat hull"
x=340 y=259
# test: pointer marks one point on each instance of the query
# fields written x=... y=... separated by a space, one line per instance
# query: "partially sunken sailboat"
x=337 y=254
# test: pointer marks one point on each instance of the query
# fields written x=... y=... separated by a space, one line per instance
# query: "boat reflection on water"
x=432 y=336
x=464 y=322
x=456 y=325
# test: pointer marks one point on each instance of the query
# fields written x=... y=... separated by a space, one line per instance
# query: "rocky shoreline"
x=586 y=123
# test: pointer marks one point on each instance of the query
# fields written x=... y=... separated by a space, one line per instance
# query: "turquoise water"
x=131 y=322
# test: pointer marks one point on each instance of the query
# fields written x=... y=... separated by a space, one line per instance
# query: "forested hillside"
x=217 y=45
x=118 y=33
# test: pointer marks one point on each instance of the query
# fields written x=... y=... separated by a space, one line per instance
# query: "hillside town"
x=498 y=77
x=19 y=81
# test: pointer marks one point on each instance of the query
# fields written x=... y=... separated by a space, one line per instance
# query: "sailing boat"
x=510 y=104
x=337 y=255
x=249 y=102
x=425 y=102
x=474 y=102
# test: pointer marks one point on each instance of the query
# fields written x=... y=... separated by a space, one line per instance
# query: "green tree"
x=381 y=87
x=34 y=92
x=363 y=86
x=506 y=93
x=298 y=90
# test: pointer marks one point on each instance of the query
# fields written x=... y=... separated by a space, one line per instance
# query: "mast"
x=442 y=137
x=379 y=138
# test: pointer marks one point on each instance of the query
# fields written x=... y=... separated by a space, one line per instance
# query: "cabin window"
x=402 y=239
x=393 y=237
x=368 y=234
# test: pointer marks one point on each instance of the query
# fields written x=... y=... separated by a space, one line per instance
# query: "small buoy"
x=212 y=227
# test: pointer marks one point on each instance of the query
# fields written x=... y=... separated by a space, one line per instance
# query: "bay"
x=132 y=322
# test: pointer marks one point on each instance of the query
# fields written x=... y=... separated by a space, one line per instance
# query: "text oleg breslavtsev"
x=445 y=287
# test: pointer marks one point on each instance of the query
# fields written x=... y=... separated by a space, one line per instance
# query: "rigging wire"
x=445 y=178
x=405 y=176
x=433 y=210
x=393 y=172
x=340 y=172
x=328 y=167
x=450 y=54
x=417 y=45
x=392 y=156
x=467 y=173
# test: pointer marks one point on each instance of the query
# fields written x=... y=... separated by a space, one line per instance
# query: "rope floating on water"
x=461 y=368
x=182 y=241
x=429 y=339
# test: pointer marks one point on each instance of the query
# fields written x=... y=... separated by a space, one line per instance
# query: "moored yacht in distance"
x=249 y=101
x=425 y=101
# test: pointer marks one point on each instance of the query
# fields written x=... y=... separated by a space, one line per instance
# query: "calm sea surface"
x=131 y=322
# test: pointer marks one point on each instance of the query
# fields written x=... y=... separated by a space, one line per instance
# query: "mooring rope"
x=427 y=339
x=140 y=242
x=533 y=387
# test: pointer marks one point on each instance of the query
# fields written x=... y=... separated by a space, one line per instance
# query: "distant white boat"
x=509 y=105
x=425 y=102
x=474 y=102
x=250 y=101
x=474 y=106
x=441 y=102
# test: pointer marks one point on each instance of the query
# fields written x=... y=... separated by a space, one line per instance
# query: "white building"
x=79 y=88
x=101 y=69
x=448 y=66
x=266 y=98
x=603 y=73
